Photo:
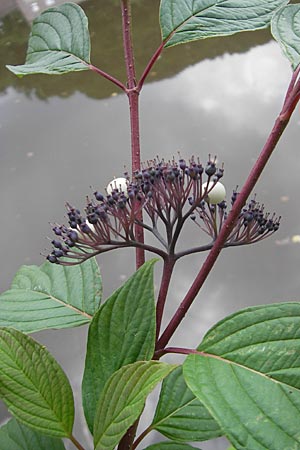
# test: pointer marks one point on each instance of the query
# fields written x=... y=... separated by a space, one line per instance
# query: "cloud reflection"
x=225 y=84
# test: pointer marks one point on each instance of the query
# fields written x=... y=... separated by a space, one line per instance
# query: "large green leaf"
x=15 y=436
x=189 y=20
x=33 y=385
x=256 y=412
x=51 y=296
x=263 y=338
x=59 y=42
x=121 y=332
x=180 y=415
x=123 y=398
x=248 y=376
x=170 y=446
x=285 y=27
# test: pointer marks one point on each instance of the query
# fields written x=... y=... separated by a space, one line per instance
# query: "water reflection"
x=107 y=51
x=61 y=135
x=32 y=8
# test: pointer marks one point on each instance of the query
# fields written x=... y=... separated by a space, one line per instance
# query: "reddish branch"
x=133 y=98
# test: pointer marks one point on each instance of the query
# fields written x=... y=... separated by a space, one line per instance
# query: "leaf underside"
x=59 y=42
x=285 y=27
x=189 y=20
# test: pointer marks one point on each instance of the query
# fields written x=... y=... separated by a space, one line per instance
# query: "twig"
x=76 y=443
x=107 y=76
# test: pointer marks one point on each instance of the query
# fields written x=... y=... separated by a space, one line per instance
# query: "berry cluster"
x=253 y=224
x=159 y=198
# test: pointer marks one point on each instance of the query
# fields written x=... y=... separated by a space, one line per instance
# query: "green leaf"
x=248 y=376
x=15 y=436
x=121 y=332
x=285 y=27
x=170 y=446
x=123 y=398
x=263 y=338
x=190 y=20
x=33 y=385
x=256 y=412
x=51 y=296
x=59 y=42
x=179 y=414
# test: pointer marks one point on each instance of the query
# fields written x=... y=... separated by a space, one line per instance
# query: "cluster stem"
x=169 y=263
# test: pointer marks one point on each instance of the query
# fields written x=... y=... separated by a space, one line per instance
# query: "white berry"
x=117 y=183
x=216 y=194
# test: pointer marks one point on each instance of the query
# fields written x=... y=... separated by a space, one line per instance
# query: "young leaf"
x=15 y=436
x=121 y=332
x=285 y=27
x=180 y=415
x=190 y=20
x=33 y=385
x=256 y=412
x=123 y=398
x=170 y=446
x=248 y=374
x=59 y=42
x=51 y=296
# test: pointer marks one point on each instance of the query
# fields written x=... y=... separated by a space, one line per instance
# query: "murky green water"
x=61 y=135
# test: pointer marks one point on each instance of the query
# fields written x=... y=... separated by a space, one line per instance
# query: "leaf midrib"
x=161 y=422
x=193 y=15
x=174 y=31
x=228 y=361
x=216 y=341
x=56 y=51
x=55 y=299
x=35 y=387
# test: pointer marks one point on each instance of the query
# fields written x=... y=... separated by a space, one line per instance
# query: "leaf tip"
x=14 y=70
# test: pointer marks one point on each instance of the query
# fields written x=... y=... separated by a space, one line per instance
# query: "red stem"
x=292 y=84
x=107 y=76
x=133 y=98
x=141 y=437
x=76 y=443
x=278 y=128
x=169 y=263
x=127 y=42
x=150 y=64
x=177 y=350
